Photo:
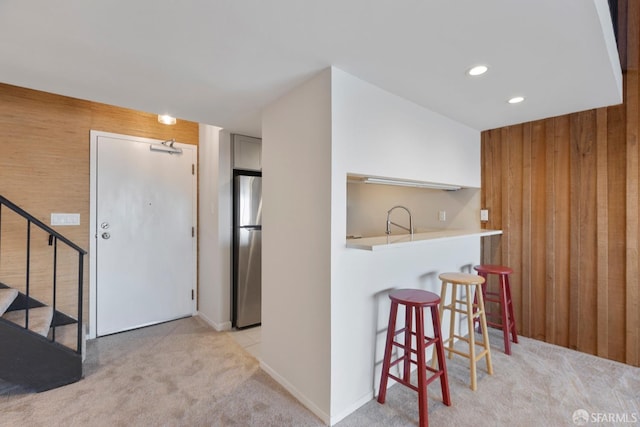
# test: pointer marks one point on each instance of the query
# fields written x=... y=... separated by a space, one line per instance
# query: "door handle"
x=106 y=235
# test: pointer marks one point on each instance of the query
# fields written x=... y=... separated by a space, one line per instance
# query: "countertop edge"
x=383 y=243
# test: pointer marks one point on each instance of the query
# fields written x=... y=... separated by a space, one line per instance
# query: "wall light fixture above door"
x=166 y=119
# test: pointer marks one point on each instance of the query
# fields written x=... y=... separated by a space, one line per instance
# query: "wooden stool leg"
x=423 y=406
x=452 y=310
x=504 y=314
x=382 y=393
x=475 y=300
x=439 y=353
x=407 y=343
x=485 y=334
x=514 y=331
x=472 y=341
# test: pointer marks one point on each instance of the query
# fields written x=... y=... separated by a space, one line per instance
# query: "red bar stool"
x=415 y=301
x=503 y=298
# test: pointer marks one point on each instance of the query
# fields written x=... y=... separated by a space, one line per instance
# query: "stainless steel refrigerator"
x=247 y=238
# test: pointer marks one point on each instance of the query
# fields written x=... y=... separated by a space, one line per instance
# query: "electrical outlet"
x=484 y=214
x=442 y=216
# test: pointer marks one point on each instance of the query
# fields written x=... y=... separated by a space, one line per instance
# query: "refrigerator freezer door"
x=249 y=269
x=249 y=200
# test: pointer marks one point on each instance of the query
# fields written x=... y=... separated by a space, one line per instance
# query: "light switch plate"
x=484 y=214
x=65 y=219
x=442 y=216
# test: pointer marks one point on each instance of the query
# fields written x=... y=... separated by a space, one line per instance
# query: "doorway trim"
x=93 y=232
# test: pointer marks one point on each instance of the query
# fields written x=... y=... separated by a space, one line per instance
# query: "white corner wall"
x=377 y=133
x=296 y=252
x=324 y=305
x=214 y=234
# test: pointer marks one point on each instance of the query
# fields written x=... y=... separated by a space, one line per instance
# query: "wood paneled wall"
x=44 y=168
x=565 y=192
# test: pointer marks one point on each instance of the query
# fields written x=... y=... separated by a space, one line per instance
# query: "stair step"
x=39 y=319
x=67 y=335
x=7 y=295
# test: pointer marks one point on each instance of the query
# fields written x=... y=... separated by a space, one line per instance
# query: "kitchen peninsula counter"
x=406 y=240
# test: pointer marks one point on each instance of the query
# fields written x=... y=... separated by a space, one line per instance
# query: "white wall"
x=377 y=133
x=324 y=306
x=296 y=281
x=214 y=223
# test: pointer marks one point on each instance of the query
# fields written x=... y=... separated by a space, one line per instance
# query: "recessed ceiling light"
x=516 y=100
x=477 y=70
x=166 y=119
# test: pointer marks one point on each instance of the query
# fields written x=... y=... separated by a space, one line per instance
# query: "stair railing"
x=54 y=238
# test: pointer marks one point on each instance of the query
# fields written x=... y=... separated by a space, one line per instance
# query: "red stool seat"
x=493 y=269
x=415 y=301
x=503 y=299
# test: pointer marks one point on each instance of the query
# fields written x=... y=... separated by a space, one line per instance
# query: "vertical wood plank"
x=563 y=216
x=490 y=199
x=504 y=197
x=616 y=245
x=584 y=131
x=551 y=324
x=525 y=218
x=514 y=218
x=632 y=280
x=576 y=250
x=538 y=284
x=602 y=230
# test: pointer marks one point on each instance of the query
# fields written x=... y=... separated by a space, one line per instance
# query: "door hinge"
x=192 y=295
x=193 y=232
x=193 y=169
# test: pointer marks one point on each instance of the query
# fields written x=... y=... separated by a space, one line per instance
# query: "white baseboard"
x=296 y=393
x=352 y=408
x=220 y=327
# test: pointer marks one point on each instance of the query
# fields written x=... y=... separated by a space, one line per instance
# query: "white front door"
x=145 y=218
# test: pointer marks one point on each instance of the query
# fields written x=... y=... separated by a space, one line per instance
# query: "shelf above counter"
x=406 y=240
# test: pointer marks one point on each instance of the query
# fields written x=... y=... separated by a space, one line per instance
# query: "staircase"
x=40 y=347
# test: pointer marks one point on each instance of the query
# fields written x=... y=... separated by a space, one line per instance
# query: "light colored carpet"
x=183 y=373
x=180 y=373
x=538 y=385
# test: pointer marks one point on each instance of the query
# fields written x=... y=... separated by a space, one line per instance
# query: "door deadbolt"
x=104 y=225
x=106 y=235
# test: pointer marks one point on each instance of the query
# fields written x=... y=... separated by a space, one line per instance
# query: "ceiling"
x=221 y=62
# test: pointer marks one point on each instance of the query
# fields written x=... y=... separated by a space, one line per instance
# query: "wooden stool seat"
x=414 y=301
x=503 y=299
x=472 y=308
x=461 y=278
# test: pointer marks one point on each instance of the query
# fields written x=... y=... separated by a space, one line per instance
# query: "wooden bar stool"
x=415 y=301
x=503 y=298
x=473 y=310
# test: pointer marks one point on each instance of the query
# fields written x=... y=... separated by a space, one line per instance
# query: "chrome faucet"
x=389 y=222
